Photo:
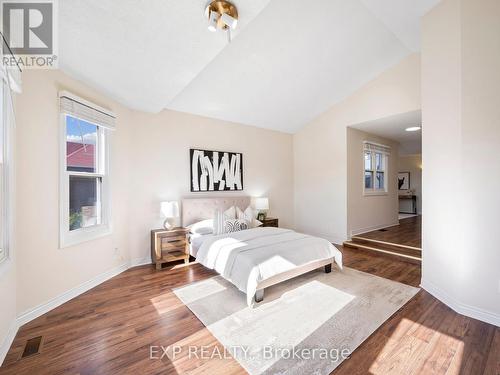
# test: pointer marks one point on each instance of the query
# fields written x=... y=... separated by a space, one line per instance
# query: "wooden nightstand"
x=269 y=222
x=169 y=246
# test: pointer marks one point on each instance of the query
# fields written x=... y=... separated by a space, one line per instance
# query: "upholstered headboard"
x=197 y=209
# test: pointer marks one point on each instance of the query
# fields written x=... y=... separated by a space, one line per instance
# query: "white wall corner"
x=459 y=307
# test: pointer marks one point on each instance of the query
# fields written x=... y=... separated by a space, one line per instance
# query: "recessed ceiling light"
x=413 y=129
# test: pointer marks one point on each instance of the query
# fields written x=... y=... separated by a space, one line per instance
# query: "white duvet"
x=248 y=257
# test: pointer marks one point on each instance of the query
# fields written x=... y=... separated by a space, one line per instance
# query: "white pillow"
x=202 y=227
x=221 y=217
x=249 y=215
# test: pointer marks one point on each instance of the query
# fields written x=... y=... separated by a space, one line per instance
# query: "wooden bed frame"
x=197 y=209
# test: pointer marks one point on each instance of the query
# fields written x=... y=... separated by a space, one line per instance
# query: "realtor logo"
x=29 y=30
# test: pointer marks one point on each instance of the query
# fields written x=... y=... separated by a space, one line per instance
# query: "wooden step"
x=393 y=247
x=407 y=254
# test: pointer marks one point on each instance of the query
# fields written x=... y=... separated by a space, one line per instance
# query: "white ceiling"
x=289 y=60
x=141 y=52
x=410 y=143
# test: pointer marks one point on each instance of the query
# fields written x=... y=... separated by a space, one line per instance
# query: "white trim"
x=86 y=103
x=355 y=232
x=360 y=246
x=371 y=193
x=367 y=192
x=45 y=307
x=358 y=237
x=459 y=307
x=376 y=144
x=69 y=238
x=140 y=262
x=8 y=340
x=334 y=239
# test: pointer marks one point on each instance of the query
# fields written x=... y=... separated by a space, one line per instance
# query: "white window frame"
x=5 y=210
x=385 y=169
x=103 y=146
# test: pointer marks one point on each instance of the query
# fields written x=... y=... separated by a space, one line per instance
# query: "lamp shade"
x=170 y=209
x=262 y=204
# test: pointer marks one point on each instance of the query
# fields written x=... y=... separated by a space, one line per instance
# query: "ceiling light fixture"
x=212 y=21
x=413 y=129
x=222 y=15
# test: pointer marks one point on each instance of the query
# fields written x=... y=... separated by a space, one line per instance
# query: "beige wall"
x=44 y=270
x=460 y=80
x=161 y=166
x=412 y=164
x=149 y=163
x=369 y=212
x=320 y=148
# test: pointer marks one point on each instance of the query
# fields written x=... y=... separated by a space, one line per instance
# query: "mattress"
x=195 y=242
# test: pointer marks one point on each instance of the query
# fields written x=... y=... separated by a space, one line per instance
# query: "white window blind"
x=375 y=147
x=79 y=108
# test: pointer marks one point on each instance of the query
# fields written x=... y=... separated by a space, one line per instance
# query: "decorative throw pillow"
x=221 y=217
x=235 y=225
x=249 y=215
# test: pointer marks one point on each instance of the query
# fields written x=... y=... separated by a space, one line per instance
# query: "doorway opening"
x=384 y=177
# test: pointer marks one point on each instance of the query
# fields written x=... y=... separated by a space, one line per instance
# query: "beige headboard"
x=197 y=209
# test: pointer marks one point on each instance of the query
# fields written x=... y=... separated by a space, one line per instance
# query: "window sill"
x=374 y=193
x=79 y=236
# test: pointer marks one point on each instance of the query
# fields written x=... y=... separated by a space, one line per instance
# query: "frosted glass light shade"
x=262 y=204
x=170 y=209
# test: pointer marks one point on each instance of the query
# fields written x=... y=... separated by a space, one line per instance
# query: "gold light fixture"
x=221 y=15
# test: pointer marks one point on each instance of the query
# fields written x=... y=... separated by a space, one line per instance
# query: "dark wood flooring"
x=408 y=232
x=109 y=330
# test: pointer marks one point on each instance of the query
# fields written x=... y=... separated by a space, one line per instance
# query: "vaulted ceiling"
x=288 y=62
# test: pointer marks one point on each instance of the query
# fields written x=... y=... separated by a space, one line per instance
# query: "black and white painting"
x=216 y=170
x=404 y=180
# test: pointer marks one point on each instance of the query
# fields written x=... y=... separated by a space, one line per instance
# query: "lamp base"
x=168 y=225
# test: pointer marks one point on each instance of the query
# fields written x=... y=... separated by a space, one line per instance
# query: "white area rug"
x=315 y=316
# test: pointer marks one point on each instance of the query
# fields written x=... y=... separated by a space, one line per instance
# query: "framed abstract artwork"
x=404 y=181
x=215 y=170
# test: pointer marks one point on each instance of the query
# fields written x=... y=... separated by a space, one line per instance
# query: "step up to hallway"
x=404 y=252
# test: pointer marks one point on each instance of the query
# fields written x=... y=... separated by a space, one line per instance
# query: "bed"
x=256 y=258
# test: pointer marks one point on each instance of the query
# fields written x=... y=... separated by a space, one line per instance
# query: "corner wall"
x=460 y=110
x=320 y=148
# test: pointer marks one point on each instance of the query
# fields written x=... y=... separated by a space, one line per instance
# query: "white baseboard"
x=461 y=308
x=43 y=308
x=335 y=239
x=7 y=341
x=355 y=232
x=139 y=262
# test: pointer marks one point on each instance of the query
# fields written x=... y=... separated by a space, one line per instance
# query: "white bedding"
x=248 y=257
x=195 y=241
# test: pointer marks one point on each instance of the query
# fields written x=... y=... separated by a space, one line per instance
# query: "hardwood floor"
x=109 y=330
x=408 y=232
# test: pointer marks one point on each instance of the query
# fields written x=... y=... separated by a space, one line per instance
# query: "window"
x=3 y=177
x=85 y=200
x=9 y=83
x=375 y=168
